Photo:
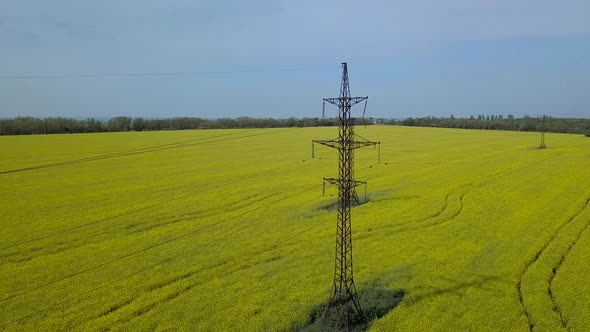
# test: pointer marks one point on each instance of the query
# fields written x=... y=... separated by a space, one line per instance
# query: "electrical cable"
x=162 y=74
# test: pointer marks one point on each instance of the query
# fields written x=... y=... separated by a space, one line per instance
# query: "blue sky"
x=280 y=58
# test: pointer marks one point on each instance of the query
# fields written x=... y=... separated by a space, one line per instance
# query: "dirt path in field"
x=554 y=269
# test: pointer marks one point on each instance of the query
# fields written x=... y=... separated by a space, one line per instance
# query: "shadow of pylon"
x=344 y=314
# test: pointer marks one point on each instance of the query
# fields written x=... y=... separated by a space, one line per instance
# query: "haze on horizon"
x=280 y=58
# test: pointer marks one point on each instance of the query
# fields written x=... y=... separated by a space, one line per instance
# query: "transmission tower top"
x=345 y=100
x=344 y=298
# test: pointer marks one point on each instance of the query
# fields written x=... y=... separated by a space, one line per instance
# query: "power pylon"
x=344 y=296
x=543 y=129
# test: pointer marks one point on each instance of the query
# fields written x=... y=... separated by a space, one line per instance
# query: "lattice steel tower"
x=543 y=129
x=344 y=291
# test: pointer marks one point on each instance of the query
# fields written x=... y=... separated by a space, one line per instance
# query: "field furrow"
x=557 y=267
x=535 y=281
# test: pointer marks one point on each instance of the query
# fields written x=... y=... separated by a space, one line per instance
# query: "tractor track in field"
x=120 y=279
x=150 y=307
x=143 y=250
x=402 y=228
x=408 y=225
x=558 y=266
x=441 y=210
x=536 y=258
x=244 y=265
x=169 y=146
x=130 y=230
x=451 y=217
x=436 y=214
x=147 y=309
x=470 y=186
x=143 y=208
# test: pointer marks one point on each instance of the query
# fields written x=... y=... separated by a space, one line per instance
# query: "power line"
x=163 y=74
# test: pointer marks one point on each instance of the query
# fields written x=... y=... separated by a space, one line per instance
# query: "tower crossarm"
x=336 y=144
x=333 y=143
x=350 y=101
x=361 y=144
x=338 y=182
x=345 y=183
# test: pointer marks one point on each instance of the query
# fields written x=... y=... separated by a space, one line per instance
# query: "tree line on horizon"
x=499 y=122
x=60 y=125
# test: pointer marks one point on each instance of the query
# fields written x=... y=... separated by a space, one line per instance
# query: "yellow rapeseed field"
x=227 y=230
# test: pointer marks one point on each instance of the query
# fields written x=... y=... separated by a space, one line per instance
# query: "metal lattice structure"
x=543 y=130
x=344 y=293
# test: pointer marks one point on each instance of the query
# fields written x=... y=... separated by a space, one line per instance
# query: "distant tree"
x=363 y=121
x=94 y=126
x=528 y=124
x=291 y=122
x=119 y=123
x=29 y=125
x=138 y=124
x=409 y=122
